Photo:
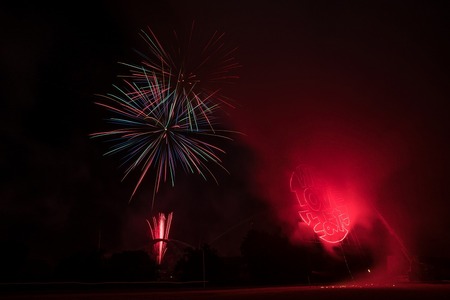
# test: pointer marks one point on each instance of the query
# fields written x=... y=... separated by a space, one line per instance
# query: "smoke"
x=353 y=129
x=359 y=94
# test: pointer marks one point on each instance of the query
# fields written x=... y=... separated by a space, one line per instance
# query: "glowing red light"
x=325 y=213
x=160 y=235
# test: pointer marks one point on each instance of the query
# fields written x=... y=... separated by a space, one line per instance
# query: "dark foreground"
x=430 y=291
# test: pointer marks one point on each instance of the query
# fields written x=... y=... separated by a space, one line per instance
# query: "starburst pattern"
x=157 y=130
x=164 y=112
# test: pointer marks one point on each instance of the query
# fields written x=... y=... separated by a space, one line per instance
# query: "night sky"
x=358 y=89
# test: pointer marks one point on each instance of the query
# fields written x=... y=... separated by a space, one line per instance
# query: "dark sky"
x=358 y=89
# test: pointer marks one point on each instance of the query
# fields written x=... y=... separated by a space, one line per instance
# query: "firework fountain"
x=159 y=230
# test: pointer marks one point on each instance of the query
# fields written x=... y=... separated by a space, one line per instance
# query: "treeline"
x=266 y=258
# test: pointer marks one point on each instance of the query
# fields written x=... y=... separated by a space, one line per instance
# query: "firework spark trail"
x=165 y=111
x=160 y=234
x=156 y=131
x=195 y=70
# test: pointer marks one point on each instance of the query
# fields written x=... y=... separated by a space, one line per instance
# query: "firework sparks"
x=156 y=131
x=160 y=234
x=199 y=67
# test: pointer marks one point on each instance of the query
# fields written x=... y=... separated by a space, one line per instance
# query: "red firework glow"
x=160 y=234
x=325 y=212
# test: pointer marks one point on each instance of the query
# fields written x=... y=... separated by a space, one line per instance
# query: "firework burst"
x=164 y=116
x=160 y=234
x=158 y=131
x=200 y=67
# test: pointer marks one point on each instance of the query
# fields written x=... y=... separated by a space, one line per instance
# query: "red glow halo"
x=320 y=208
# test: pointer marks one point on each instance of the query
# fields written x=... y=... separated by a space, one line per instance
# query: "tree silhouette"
x=272 y=259
x=131 y=266
x=200 y=264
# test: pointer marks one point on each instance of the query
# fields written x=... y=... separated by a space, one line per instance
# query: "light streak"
x=159 y=230
x=165 y=112
x=154 y=131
